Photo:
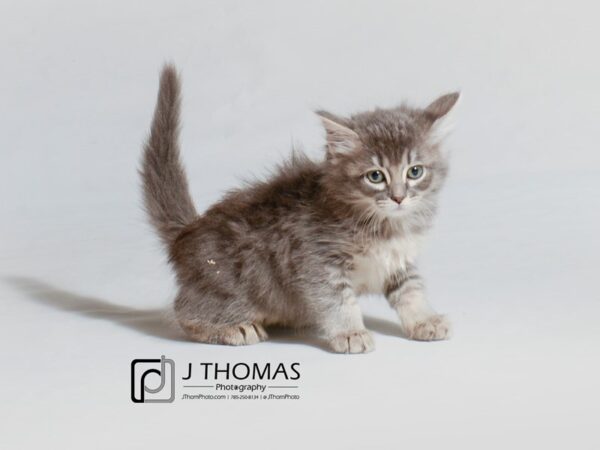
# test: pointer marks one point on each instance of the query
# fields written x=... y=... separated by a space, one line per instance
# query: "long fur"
x=166 y=194
x=296 y=249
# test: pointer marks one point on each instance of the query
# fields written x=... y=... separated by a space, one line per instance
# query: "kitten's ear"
x=340 y=138
x=442 y=106
x=439 y=115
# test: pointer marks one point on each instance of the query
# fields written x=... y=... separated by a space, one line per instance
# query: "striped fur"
x=297 y=249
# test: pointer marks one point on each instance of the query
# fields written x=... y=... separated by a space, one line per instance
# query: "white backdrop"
x=512 y=260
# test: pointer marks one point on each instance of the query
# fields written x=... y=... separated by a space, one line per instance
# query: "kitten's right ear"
x=340 y=138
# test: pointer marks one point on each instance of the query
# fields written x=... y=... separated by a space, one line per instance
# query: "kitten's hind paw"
x=432 y=328
x=244 y=334
x=353 y=342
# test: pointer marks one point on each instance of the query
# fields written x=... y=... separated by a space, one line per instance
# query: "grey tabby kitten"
x=297 y=249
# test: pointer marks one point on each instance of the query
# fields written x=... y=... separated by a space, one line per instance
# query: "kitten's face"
x=400 y=182
x=388 y=162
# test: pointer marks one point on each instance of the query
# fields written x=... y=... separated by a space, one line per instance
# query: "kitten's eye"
x=415 y=172
x=375 y=176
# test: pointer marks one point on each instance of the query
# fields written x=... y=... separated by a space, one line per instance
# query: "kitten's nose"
x=398 y=198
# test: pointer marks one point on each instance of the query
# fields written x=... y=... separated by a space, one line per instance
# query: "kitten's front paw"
x=432 y=328
x=353 y=342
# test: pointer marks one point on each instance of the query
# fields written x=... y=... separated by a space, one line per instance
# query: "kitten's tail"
x=166 y=194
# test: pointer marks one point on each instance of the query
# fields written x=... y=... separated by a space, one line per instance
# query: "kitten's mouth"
x=394 y=210
x=389 y=206
x=398 y=210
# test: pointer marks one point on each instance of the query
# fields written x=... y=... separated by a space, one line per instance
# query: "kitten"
x=297 y=249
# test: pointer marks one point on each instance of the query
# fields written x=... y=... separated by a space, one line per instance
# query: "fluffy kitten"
x=297 y=249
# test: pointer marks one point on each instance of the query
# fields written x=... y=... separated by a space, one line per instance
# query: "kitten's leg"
x=342 y=322
x=208 y=321
x=405 y=293
x=240 y=334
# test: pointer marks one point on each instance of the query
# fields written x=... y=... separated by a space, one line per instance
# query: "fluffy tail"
x=166 y=195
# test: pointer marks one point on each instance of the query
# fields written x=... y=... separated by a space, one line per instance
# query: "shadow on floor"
x=383 y=326
x=151 y=322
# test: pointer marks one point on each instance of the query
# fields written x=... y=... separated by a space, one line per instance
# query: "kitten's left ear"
x=439 y=115
x=442 y=106
x=340 y=138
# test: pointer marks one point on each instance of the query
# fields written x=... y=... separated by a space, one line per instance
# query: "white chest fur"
x=374 y=267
